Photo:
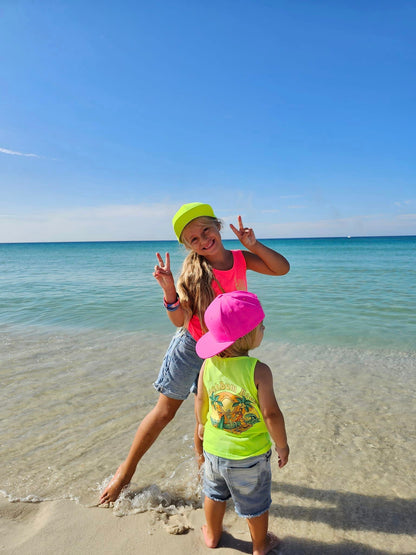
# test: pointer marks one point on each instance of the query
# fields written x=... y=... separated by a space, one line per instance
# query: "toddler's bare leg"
x=263 y=541
x=214 y=514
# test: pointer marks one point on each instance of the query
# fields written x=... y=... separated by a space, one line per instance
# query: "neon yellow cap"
x=187 y=213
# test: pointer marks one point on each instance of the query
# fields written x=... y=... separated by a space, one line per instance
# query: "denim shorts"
x=247 y=481
x=178 y=375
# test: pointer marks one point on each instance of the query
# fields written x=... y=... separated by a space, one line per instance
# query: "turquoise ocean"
x=82 y=335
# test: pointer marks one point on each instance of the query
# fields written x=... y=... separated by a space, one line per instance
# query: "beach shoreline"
x=64 y=526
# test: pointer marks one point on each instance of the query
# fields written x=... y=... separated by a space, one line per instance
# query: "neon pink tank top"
x=234 y=279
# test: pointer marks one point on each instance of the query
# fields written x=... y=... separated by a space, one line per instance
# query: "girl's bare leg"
x=263 y=541
x=147 y=432
x=214 y=514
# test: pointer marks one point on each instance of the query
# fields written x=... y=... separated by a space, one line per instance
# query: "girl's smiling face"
x=202 y=235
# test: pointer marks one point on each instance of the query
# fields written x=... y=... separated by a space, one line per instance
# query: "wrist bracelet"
x=171 y=307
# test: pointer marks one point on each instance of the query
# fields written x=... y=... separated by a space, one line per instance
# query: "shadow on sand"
x=340 y=510
x=344 y=511
x=228 y=540
x=350 y=511
x=296 y=546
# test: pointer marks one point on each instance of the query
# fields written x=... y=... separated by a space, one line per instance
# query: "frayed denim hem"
x=253 y=516
x=169 y=394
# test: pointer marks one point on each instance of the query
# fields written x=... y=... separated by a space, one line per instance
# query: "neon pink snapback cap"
x=229 y=317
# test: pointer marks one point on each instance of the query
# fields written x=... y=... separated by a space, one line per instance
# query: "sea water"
x=83 y=332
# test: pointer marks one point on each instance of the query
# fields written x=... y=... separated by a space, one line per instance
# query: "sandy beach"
x=339 y=523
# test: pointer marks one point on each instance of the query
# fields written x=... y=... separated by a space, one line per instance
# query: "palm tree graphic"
x=244 y=403
x=215 y=401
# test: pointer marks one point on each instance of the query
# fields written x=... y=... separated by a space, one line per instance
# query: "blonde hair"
x=194 y=283
x=241 y=346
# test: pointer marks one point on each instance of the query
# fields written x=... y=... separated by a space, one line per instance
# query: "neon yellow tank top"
x=235 y=428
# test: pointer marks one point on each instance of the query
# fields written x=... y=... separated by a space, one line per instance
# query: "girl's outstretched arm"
x=271 y=412
x=260 y=258
x=164 y=277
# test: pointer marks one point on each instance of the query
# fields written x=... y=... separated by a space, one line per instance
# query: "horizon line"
x=175 y=240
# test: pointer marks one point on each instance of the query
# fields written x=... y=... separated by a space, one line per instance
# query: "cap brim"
x=207 y=346
x=187 y=213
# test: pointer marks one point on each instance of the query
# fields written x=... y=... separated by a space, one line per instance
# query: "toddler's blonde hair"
x=241 y=346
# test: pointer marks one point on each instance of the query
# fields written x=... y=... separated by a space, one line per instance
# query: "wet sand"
x=339 y=523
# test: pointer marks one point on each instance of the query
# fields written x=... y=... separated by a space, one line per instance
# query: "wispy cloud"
x=291 y=196
x=92 y=223
x=153 y=222
x=409 y=217
x=362 y=225
x=403 y=203
x=15 y=153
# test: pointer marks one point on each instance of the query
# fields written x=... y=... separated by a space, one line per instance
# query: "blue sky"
x=299 y=115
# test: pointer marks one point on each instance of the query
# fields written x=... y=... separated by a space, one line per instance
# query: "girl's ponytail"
x=194 y=287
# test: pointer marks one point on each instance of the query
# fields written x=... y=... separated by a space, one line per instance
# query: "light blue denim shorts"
x=247 y=481
x=178 y=375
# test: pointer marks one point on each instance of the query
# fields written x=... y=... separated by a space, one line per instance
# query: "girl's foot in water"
x=112 y=491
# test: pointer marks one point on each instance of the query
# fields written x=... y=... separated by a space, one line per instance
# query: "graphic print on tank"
x=233 y=413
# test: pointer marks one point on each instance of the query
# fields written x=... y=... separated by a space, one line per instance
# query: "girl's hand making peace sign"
x=162 y=273
x=245 y=234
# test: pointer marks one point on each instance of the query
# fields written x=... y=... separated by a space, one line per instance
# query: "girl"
x=208 y=270
x=237 y=412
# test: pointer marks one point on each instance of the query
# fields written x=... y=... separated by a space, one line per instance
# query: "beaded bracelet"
x=171 y=307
